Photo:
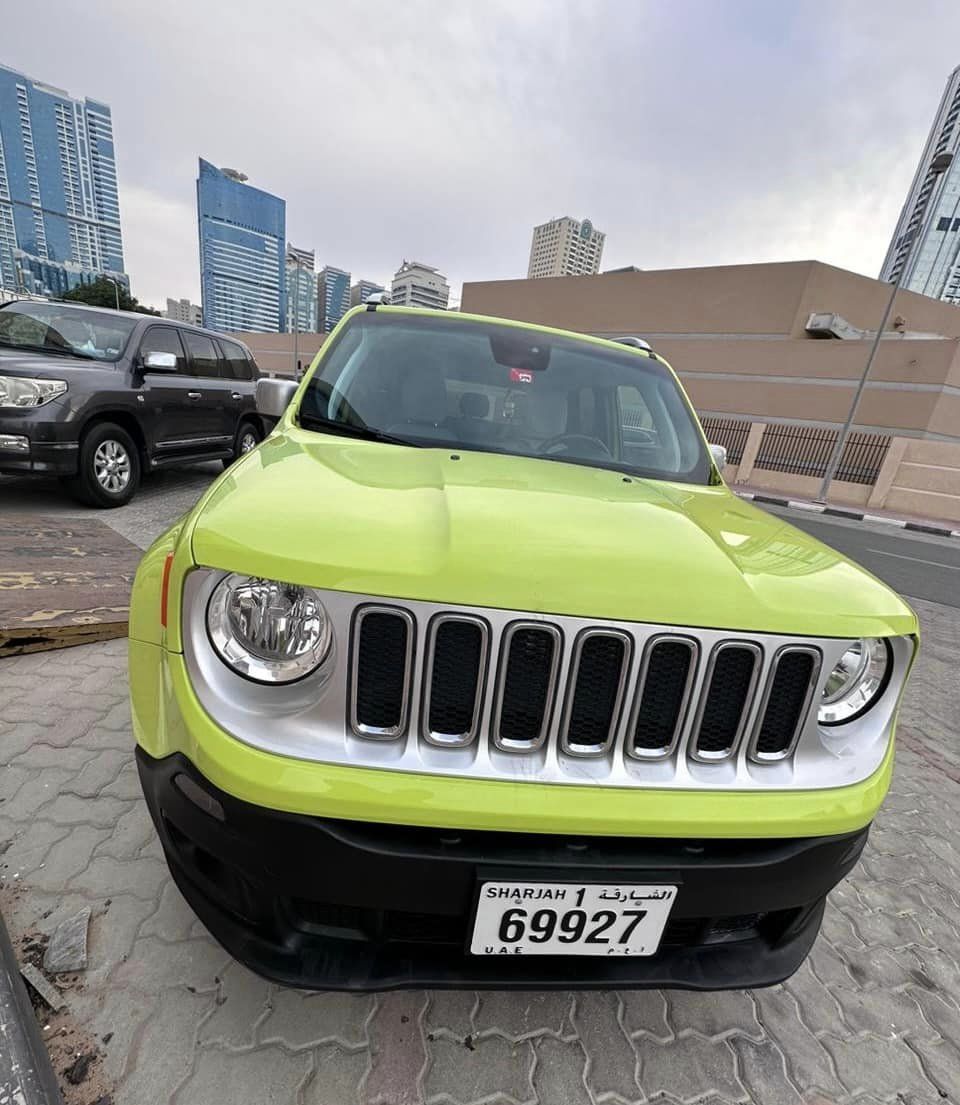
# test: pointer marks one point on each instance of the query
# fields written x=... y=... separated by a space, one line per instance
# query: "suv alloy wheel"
x=108 y=473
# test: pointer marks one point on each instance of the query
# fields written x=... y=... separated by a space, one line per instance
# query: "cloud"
x=692 y=133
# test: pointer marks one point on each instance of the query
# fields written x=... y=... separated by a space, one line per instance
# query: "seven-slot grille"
x=527 y=667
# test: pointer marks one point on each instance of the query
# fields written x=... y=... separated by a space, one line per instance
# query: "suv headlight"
x=856 y=682
x=23 y=391
x=268 y=631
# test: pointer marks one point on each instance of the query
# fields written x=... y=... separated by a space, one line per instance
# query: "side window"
x=204 y=359
x=640 y=440
x=236 y=366
x=634 y=412
x=163 y=339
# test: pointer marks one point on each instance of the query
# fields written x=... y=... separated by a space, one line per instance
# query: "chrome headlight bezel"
x=249 y=654
x=861 y=675
x=29 y=392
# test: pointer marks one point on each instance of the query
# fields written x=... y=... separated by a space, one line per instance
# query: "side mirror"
x=273 y=396
x=160 y=362
x=719 y=454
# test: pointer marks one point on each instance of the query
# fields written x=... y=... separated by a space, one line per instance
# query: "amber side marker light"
x=164 y=588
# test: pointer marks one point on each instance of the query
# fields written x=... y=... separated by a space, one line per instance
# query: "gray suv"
x=99 y=397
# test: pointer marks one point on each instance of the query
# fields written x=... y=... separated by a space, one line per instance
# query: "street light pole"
x=296 y=319
x=938 y=167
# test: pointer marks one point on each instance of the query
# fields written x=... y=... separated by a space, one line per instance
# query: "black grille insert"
x=528 y=677
x=784 y=711
x=596 y=692
x=660 y=712
x=726 y=700
x=456 y=675
x=383 y=650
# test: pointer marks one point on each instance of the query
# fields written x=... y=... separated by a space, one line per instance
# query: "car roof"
x=138 y=316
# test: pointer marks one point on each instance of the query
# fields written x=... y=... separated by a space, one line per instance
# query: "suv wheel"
x=248 y=437
x=109 y=467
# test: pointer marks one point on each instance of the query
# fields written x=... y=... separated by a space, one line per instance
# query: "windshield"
x=481 y=386
x=58 y=328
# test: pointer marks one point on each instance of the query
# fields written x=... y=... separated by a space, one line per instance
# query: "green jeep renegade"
x=474 y=673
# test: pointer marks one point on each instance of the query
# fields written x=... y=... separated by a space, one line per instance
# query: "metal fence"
x=731 y=433
x=806 y=451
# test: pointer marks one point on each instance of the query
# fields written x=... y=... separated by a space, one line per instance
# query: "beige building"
x=773 y=384
x=182 y=310
x=565 y=247
x=418 y=285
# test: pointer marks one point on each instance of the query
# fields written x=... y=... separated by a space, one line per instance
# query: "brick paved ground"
x=874 y=1016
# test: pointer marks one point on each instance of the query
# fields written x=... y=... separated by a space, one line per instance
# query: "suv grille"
x=589 y=693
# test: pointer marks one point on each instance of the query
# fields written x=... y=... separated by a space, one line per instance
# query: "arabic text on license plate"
x=537 y=918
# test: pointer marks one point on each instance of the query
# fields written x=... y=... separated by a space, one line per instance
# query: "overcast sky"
x=692 y=132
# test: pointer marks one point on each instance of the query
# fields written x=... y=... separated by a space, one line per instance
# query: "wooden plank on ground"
x=62 y=582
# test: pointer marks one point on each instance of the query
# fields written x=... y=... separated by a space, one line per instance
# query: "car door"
x=171 y=415
x=241 y=374
x=213 y=403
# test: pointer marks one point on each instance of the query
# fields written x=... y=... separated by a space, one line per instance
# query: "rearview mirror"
x=160 y=362
x=273 y=396
x=719 y=454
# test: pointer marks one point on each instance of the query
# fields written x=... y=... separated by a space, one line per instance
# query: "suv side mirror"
x=719 y=454
x=273 y=396
x=160 y=362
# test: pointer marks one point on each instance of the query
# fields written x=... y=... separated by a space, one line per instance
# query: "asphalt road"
x=914 y=564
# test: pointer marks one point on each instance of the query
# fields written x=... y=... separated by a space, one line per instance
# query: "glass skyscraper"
x=242 y=239
x=333 y=297
x=59 y=210
x=301 y=290
x=928 y=255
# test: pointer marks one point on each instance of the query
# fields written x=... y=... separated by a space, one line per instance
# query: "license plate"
x=539 y=918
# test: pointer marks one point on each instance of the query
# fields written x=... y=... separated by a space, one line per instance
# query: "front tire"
x=248 y=437
x=108 y=472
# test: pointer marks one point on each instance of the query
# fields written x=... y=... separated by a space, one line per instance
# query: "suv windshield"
x=428 y=381
x=58 y=328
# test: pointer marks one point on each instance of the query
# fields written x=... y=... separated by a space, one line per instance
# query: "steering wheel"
x=565 y=443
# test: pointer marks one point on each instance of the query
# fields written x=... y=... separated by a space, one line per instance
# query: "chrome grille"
x=730 y=682
x=785 y=703
x=453 y=679
x=382 y=655
x=585 y=691
x=527 y=685
x=332 y=717
x=598 y=672
x=666 y=676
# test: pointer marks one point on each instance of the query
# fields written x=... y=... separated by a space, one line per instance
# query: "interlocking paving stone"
x=479 y=1071
x=645 y=1011
x=451 y=1012
x=692 y=1011
x=762 y=1071
x=874 y=1066
x=266 y=1075
x=688 y=1068
x=808 y=1063
x=520 y=1016
x=612 y=1060
x=299 y=1020
x=558 y=1075
x=162 y=1052
x=397 y=1052
x=337 y=1077
x=242 y=1001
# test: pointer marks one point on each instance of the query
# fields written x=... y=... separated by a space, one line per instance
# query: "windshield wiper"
x=366 y=433
x=56 y=349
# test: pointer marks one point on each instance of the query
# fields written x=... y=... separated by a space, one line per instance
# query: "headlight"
x=21 y=391
x=856 y=682
x=268 y=631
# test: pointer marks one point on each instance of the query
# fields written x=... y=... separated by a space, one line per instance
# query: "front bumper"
x=329 y=904
x=53 y=448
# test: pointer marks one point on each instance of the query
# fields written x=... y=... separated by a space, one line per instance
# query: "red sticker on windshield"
x=520 y=376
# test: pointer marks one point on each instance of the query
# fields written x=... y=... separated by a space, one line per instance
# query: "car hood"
x=41 y=367
x=483 y=529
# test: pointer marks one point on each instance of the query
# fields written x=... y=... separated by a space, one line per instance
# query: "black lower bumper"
x=341 y=905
